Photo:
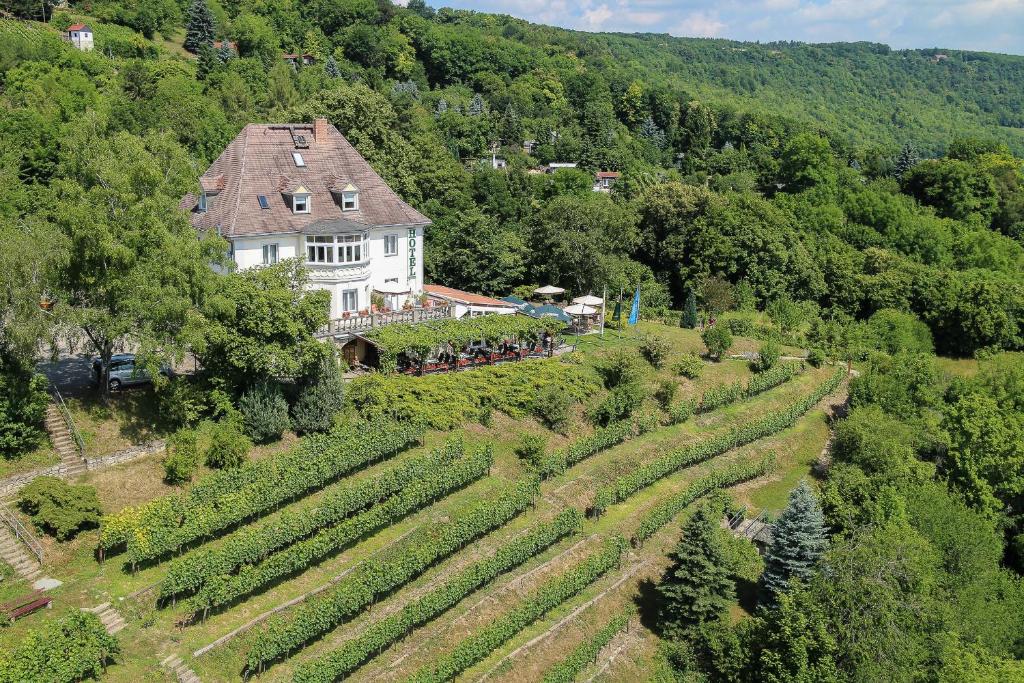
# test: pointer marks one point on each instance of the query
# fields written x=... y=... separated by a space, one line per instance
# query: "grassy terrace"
x=153 y=634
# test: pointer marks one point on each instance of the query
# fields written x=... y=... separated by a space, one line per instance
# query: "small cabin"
x=79 y=35
x=605 y=180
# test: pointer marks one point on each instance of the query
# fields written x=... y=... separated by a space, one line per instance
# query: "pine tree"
x=697 y=587
x=650 y=131
x=476 y=106
x=442 y=107
x=199 y=29
x=905 y=161
x=331 y=67
x=511 y=127
x=208 y=61
x=689 y=318
x=225 y=54
x=798 y=541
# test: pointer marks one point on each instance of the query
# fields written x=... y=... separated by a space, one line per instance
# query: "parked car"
x=124 y=372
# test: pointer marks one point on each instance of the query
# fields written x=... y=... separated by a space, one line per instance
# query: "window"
x=262 y=199
x=269 y=254
x=390 y=245
x=202 y=201
x=300 y=203
x=336 y=249
x=297 y=158
x=349 y=201
x=350 y=300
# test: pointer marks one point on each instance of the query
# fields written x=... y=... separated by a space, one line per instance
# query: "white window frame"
x=341 y=249
x=202 y=202
x=391 y=245
x=351 y=197
x=307 y=203
x=271 y=254
x=320 y=249
x=349 y=300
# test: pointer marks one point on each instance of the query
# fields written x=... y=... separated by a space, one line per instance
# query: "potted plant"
x=378 y=302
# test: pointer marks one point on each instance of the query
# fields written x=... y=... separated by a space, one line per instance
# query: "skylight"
x=299 y=161
x=262 y=199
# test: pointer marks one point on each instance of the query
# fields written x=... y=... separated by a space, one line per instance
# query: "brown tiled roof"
x=608 y=174
x=259 y=162
x=461 y=297
x=79 y=27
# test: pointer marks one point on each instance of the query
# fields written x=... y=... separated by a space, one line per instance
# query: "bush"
x=264 y=412
x=689 y=366
x=531 y=449
x=72 y=648
x=184 y=401
x=654 y=349
x=182 y=458
x=228 y=446
x=23 y=401
x=895 y=332
x=739 y=324
x=666 y=392
x=318 y=402
x=816 y=357
x=620 y=367
x=767 y=356
x=619 y=404
x=717 y=340
x=552 y=407
x=59 y=508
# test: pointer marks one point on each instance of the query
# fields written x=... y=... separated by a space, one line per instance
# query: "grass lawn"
x=41 y=456
x=121 y=420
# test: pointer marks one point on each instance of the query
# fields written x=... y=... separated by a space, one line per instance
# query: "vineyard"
x=388 y=550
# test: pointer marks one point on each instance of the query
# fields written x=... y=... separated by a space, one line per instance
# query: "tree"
x=650 y=131
x=476 y=105
x=689 y=317
x=798 y=542
x=792 y=643
x=806 y=162
x=182 y=457
x=319 y=400
x=199 y=27
x=717 y=340
x=716 y=294
x=72 y=648
x=906 y=160
x=331 y=67
x=59 y=508
x=697 y=587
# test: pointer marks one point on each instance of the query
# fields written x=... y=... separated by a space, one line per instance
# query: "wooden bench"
x=26 y=604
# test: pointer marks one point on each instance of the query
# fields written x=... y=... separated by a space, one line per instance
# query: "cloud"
x=965 y=24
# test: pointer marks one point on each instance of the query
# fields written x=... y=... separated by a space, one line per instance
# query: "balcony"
x=359 y=324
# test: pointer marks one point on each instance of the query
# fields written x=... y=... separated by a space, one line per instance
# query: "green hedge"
x=384 y=633
x=224 y=589
x=585 y=653
x=383 y=574
x=550 y=595
x=226 y=498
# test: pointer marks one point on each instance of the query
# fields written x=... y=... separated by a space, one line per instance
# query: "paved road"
x=71 y=374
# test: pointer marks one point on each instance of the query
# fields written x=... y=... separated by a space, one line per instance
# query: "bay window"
x=350 y=248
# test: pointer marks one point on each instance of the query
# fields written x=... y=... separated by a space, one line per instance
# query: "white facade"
x=355 y=267
x=80 y=38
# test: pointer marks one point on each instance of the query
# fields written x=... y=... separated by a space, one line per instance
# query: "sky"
x=988 y=25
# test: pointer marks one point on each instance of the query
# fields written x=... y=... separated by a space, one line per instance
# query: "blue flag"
x=634 y=312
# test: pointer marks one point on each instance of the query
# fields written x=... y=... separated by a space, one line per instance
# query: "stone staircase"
x=71 y=462
x=180 y=669
x=14 y=553
x=112 y=620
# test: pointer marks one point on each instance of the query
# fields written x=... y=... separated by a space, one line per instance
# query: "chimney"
x=320 y=129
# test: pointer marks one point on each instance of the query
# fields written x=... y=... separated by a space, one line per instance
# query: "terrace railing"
x=358 y=324
x=66 y=414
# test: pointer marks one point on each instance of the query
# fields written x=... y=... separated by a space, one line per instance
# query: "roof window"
x=299 y=161
x=262 y=199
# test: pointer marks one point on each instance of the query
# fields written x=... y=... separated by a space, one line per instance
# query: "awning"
x=580 y=309
x=588 y=300
x=549 y=289
x=392 y=288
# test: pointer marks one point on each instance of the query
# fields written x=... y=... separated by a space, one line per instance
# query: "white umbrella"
x=580 y=309
x=391 y=288
x=588 y=300
x=549 y=289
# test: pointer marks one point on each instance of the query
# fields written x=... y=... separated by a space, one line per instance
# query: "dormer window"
x=350 y=200
x=202 y=202
x=300 y=203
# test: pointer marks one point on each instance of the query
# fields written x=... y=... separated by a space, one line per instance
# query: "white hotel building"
x=302 y=190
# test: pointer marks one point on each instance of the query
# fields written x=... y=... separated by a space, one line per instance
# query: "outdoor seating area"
x=472 y=356
x=585 y=314
x=24 y=605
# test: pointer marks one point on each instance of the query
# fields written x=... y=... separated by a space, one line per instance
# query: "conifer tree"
x=208 y=61
x=331 y=67
x=476 y=105
x=905 y=161
x=798 y=541
x=689 y=317
x=199 y=29
x=442 y=107
x=697 y=587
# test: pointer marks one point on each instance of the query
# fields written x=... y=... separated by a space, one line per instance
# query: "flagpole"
x=604 y=297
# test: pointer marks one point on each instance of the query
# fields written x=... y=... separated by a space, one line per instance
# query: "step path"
x=180 y=669
x=111 y=619
x=64 y=443
x=14 y=553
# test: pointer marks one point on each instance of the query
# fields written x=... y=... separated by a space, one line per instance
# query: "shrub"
x=619 y=404
x=531 y=449
x=816 y=357
x=59 y=508
x=620 y=367
x=23 y=400
x=739 y=324
x=318 y=402
x=552 y=407
x=184 y=401
x=894 y=332
x=182 y=458
x=228 y=446
x=767 y=356
x=689 y=366
x=717 y=340
x=666 y=392
x=72 y=648
x=654 y=349
x=264 y=412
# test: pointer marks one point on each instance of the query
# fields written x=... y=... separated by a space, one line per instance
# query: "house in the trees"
x=467 y=304
x=79 y=35
x=281 y=191
x=295 y=60
x=605 y=180
x=559 y=166
x=229 y=44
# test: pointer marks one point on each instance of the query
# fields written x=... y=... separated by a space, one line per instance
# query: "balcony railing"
x=357 y=324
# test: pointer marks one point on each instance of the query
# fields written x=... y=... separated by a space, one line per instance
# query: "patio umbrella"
x=580 y=309
x=549 y=311
x=588 y=300
x=521 y=304
x=548 y=290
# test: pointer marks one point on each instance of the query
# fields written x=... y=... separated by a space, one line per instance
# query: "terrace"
x=347 y=327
